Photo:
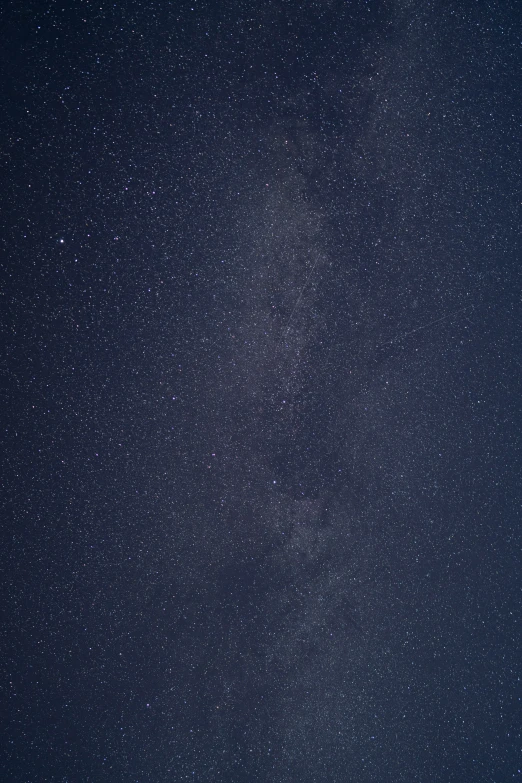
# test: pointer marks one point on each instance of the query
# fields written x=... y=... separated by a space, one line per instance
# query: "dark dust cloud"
x=261 y=403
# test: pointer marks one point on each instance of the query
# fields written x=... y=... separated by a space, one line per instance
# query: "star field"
x=261 y=305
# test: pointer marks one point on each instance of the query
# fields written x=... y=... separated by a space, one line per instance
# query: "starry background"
x=261 y=383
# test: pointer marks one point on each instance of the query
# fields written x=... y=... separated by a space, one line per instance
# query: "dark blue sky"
x=261 y=379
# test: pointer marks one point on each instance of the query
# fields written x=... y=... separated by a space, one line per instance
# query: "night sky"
x=261 y=402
